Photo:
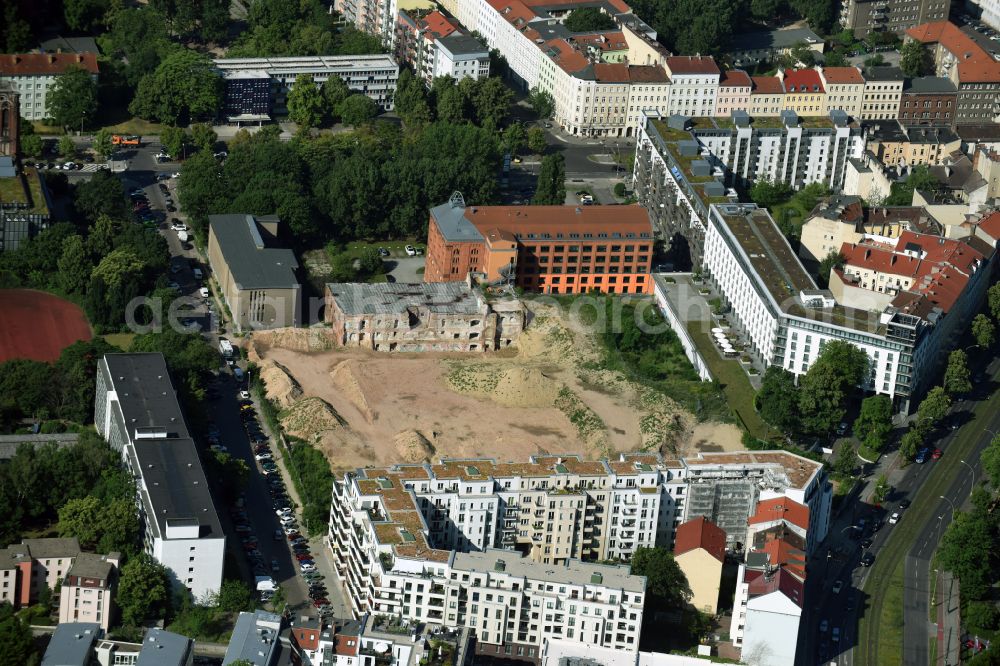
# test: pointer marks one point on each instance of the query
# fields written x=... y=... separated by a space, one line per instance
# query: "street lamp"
x=951 y=504
x=992 y=432
x=971 y=469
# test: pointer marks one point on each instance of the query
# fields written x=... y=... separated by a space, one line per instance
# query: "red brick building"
x=549 y=249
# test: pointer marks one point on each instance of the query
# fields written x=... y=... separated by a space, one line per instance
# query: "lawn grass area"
x=890 y=639
x=135 y=126
x=796 y=216
x=121 y=340
x=734 y=381
x=12 y=190
x=396 y=248
x=50 y=130
x=867 y=454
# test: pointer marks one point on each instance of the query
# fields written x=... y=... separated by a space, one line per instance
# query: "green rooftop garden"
x=14 y=190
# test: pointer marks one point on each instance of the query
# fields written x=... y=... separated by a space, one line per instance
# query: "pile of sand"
x=524 y=387
x=345 y=377
x=413 y=447
x=317 y=338
x=282 y=389
x=310 y=417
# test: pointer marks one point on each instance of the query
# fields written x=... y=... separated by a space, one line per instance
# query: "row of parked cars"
x=282 y=506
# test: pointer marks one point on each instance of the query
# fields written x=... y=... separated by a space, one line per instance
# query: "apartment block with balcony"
x=865 y=16
x=88 y=590
x=435 y=45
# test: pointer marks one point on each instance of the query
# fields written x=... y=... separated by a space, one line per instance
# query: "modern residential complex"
x=458 y=541
x=968 y=66
x=376 y=17
x=257 y=87
x=865 y=16
x=137 y=412
x=424 y=316
x=32 y=74
x=435 y=45
x=256 y=275
x=683 y=165
x=550 y=249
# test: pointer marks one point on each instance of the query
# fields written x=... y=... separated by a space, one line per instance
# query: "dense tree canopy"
x=778 y=399
x=305 y=28
x=17 y=646
x=957 y=378
x=207 y=19
x=550 y=189
x=143 y=591
x=184 y=87
x=665 y=582
x=827 y=385
x=588 y=19
x=874 y=424
x=984 y=331
x=306 y=105
x=138 y=41
x=72 y=99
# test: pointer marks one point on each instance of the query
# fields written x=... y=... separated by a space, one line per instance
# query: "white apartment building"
x=694 y=85
x=371 y=75
x=89 y=588
x=137 y=411
x=34 y=73
x=376 y=17
x=434 y=45
x=989 y=12
x=882 y=93
x=460 y=57
x=766 y=612
x=734 y=93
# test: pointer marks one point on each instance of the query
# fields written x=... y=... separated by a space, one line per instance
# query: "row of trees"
x=304 y=28
x=483 y=102
x=819 y=402
x=373 y=183
x=310 y=105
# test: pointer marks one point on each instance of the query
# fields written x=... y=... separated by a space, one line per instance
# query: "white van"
x=203 y=292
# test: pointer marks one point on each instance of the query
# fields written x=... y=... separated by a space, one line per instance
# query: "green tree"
x=358 y=110
x=835 y=58
x=766 y=10
x=184 y=86
x=305 y=102
x=551 y=187
x=933 y=407
x=993 y=300
x=143 y=591
x=536 y=140
x=882 y=489
x=451 y=105
x=835 y=259
x=492 y=102
x=99 y=526
x=370 y=263
x=102 y=143
x=966 y=550
x=118 y=268
x=778 y=399
x=103 y=194
x=802 y=55
x=588 y=19
x=66 y=146
x=16 y=643
x=665 y=582
x=234 y=596
x=957 y=378
x=920 y=178
x=138 y=40
x=410 y=92
x=72 y=98
x=846 y=460
x=203 y=137
x=85 y=15
x=75 y=265
x=514 y=138
x=768 y=193
x=15 y=32
x=31 y=145
x=984 y=331
x=335 y=91
x=874 y=423
x=914 y=59
x=990 y=460
x=541 y=103
x=173 y=140
x=911 y=442
x=824 y=389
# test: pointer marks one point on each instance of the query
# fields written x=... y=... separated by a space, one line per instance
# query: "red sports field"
x=37 y=325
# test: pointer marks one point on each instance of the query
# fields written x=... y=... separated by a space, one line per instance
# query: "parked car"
x=868 y=559
x=307 y=566
x=894 y=518
x=410 y=251
x=823 y=626
x=936 y=454
x=904 y=504
x=922 y=456
x=837 y=586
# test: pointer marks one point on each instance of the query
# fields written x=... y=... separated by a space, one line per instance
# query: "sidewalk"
x=949 y=625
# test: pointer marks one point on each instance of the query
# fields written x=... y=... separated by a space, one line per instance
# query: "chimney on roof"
x=52 y=58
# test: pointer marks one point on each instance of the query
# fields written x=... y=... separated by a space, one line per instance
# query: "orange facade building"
x=548 y=249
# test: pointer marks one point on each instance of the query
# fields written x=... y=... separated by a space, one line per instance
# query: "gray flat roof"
x=772 y=39
x=91 y=565
x=291 y=64
x=164 y=648
x=175 y=482
x=453 y=224
x=929 y=84
x=52 y=547
x=440 y=297
x=574 y=572
x=884 y=74
x=71 y=644
x=70 y=45
x=255 y=638
x=253 y=264
x=458 y=44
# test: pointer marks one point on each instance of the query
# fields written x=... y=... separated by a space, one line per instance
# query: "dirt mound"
x=281 y=386
x=310 y=417
x=525 y=387
x=295 y=339
x=412 y=447
x=345 y=376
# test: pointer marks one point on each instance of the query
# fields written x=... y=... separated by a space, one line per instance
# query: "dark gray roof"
x=71 y=644
x=385 y=298
x=175 y=481
x=884 y=74
x=887 y=130
x=43 y=549
x=255 y=638
x=986 y=132
x=253 y=264
x=92 y=565
x=164 y=648
x=70 y=45
x=7 y=169
x=928 y=85
x=459 y=44
x=772 y=39
x=453 y=225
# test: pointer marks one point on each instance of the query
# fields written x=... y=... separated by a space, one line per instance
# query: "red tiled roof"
x=27 y=64
x=991 y=225
x=781 y=580
x=513 y=11
x=622 y=73
x=766 y=85
x=842 y=75
x=735 y=77
x=974 y=63
x=564 y=55
x=803 y=81
x=692 y=65
x=605 y=41
x=701 y=533
x=346 y=645
x=788 y=557
x=306 y=638
x=522 y=220
x=438 y=25
x=781 y=508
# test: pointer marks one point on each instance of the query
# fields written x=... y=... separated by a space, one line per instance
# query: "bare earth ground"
x=546 y=397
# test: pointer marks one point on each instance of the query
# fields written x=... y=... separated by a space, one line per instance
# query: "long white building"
x=137 y=412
